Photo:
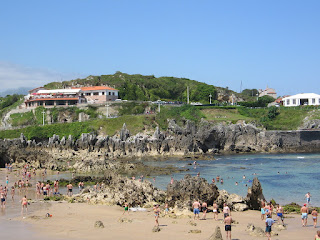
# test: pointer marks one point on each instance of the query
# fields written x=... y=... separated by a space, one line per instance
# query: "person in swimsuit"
x=126 y=208
x=304 y=215
x=69 y=187
x=280 y=214
x=263 y=209
x=156 y=210
x=227 y=227
x=317 y=236
x=215 y=211
x=226 y=210
x=24 y=205
x=196 y=207
x=308 y=197
x=204 y=208
x=12 y=192
x=3 y=199
x=314 y=214
x=166 y=208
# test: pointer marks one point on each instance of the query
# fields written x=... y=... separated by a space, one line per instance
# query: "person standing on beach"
x=24 y=205
x=215 y=211
x=317 y=236
x=69 y=187
x=269 y=223
x=156 y=210
x=126 y=208
x=204 y=208
x=304 y=215
x=314 y=214
x=280 y=214
x=196 y=209
x=263 y=209
x=226 y=210
x=227 y=227
x=12 y=193
x=3 y=199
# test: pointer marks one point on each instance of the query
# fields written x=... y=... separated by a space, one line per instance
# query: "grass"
x=222 y=115
x=110 y=127
x=22 y=119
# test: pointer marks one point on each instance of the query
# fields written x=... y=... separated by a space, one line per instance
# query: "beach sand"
x=76 y=221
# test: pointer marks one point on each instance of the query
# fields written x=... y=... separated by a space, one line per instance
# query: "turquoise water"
x=284 y=177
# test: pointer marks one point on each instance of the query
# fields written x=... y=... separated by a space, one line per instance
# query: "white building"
x=301 y=99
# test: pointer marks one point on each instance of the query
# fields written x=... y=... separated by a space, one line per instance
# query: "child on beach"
x=126 y=208
x=269 y=222
x=317 y=236
x=24 y=205
x=156 y=211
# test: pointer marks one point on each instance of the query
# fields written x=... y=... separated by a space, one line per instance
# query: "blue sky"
x=274 y=43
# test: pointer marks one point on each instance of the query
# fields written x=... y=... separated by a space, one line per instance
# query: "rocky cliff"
x=92 y=152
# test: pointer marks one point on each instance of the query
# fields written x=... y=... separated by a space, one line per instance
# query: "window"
x=313 y=100
x=113 y=93
x=87 y=94
x=95 y=93
x=319 y=100
x=109 y=93
x=294 y=101
x=288 y=101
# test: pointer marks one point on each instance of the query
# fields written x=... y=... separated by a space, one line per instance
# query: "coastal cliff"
x=204 y=139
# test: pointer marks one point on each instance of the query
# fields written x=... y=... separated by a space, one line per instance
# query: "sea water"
x=285 y=178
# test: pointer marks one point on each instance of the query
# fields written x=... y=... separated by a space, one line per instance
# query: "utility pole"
x=187 y=94
x=107 y=110
x=210 y=96
x=43 y=113
x=159 y=105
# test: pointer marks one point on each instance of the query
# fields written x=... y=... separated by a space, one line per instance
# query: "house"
x=99 y=94
x=268 y=92
x=70 y=97
x=301 y=99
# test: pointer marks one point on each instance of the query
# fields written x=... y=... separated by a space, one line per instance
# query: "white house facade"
x=301 y=100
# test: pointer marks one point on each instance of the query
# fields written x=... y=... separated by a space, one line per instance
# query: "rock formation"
x=255 y=195
x=182 y=193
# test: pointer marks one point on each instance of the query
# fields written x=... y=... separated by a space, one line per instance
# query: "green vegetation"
x=224 y=114
x=129 y=108
x=107 y=126
x=262 y=102
x=10 y=102
x=147 y=88
x=186 y=112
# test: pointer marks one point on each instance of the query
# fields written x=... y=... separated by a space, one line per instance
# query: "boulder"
x=255 y=195
x=98 y=224
x=182 y=193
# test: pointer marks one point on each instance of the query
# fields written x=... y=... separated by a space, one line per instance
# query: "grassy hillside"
x=147 y=88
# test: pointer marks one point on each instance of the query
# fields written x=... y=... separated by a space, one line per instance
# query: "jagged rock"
x=216 y=235
x=98 y=224
x=156 y=229
x=182 y=193
x=255 y=195
x=124 y=133
x=195 y=231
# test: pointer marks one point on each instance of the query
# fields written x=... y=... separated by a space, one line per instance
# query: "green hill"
x=146 y=88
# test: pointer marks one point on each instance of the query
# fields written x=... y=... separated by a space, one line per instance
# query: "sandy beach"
x=76 y=221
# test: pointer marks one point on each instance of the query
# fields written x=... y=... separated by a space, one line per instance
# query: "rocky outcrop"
x=255 y=195
x=92 y=152
x=117 y=190
x=182 y=193
x=216 y=235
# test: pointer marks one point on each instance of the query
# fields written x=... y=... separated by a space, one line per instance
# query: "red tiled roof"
x=93 y=88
